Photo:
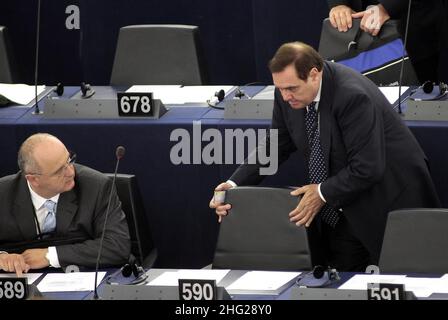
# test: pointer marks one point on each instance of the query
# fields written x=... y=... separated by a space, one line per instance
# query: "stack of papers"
x=391 y=93
x=19 y=93
x=73 y=281
x=262 y=282
x=421 y=287
x=171 y=278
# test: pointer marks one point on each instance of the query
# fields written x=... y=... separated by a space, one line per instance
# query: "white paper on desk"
x=181 y=94
x=171 y=278
x=31 y=276
x=391 y=93
x=360 y=281
x=20 y=93
x=423 y=287
x=158 y=91
x=265 y=94
x=73 y=281
x=198 y=94
x=261 y=281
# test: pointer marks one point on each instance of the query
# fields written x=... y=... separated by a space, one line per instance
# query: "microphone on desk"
x=319 y=277
x=219 y=95
x=119 y=153
x=130 y=268
x=239 y=92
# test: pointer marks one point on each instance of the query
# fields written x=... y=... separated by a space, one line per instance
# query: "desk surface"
x=148 y=292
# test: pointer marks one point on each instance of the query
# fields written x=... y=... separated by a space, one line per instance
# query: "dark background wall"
x=238 y=36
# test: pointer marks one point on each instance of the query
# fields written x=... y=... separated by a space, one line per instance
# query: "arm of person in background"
x=372 y=19
x=13 y=263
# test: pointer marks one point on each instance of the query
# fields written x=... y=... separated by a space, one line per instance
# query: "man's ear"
x=313 y=73
x=32 y=179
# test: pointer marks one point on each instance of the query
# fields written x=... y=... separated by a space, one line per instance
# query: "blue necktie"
x=50 y=220
x=316 y=166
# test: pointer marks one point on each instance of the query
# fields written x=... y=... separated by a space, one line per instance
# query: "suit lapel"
x=296 y=119
x=326 y=98
x=24 y=211
x=66 y=210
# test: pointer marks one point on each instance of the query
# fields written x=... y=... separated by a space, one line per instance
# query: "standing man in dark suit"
x=53 y=198
x=363 y=161
x=427 y=43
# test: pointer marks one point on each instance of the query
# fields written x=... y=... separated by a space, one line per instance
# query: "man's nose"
x=286 y=95
x=70 y=171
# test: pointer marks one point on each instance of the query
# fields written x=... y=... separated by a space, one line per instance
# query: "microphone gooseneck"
x=402 y=59
x=36 y=65
x=120 y=151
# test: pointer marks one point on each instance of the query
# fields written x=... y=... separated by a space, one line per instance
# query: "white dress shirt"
x=41 y=213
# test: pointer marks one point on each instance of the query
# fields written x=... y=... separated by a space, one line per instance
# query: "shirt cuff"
x=52 y=257
x=233 y=184
x=320 y=193
x=3 y=252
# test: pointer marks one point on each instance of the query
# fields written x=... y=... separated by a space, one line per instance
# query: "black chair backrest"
x=139 y=229
x=257 y=233
x=416 y=240
x=378 y=58
x=158 y=55
x=7 y=66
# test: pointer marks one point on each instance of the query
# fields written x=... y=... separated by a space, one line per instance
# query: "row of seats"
x=258 y=235
x=145 y=54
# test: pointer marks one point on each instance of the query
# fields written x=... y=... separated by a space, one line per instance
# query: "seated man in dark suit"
x=58 y=208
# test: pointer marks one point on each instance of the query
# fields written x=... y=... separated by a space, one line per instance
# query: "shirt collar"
x=317 y=98
x=39 y=201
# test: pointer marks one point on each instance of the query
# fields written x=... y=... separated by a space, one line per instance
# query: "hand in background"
x=372 y=19
x=341 y=17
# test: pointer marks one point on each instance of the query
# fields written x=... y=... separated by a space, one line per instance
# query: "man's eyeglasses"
x=63 y=169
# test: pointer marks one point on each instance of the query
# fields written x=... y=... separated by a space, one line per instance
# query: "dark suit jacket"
x=80 y=215
x=375 y=165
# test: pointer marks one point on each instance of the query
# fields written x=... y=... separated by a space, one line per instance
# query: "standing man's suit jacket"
x=80 y=214
x=375 y=165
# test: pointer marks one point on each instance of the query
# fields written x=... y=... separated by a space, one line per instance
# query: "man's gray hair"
x=25 y=159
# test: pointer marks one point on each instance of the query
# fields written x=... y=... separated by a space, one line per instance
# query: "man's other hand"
x=11 y=262
x=220 y=207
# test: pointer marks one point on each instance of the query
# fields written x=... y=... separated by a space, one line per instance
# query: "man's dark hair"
x=303 y=56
